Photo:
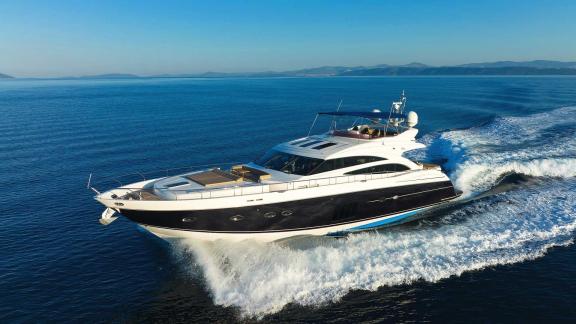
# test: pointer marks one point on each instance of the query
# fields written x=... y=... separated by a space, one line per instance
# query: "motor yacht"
x=347 y=179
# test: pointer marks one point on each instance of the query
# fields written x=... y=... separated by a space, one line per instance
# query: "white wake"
x=504 y=228
x=478 y=157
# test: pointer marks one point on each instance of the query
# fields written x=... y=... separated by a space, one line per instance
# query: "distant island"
x=5 y=76
x=107 y=76
x=454 y=70
x=536 y=67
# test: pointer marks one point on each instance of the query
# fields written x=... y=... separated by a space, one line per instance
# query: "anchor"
x=108 y=216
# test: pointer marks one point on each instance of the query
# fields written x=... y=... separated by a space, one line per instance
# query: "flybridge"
x=374 y=124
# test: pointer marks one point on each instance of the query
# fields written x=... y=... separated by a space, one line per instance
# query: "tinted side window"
x=335 y=164
x=355 y=160
x=392 y=167
x=288 y=163
x=383 y=168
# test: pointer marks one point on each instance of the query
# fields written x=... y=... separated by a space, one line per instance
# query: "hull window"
x=270 y=215
x=236 y=218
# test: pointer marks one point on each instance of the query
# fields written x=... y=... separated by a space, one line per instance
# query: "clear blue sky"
x=57 y=38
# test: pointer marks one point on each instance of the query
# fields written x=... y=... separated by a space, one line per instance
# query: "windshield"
x=288 y=163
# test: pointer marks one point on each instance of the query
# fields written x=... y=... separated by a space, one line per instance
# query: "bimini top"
x=375 y=124
x=365 y=114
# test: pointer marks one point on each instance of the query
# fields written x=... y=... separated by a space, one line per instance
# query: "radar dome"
x=376 y=120
x=412 y=119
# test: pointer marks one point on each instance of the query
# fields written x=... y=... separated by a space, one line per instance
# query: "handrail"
x=143 y=175
x=197 y=194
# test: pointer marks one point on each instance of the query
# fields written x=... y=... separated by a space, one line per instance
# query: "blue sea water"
x=505 y=254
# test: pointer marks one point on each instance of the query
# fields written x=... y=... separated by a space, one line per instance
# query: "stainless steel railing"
x=102 y=184
x=250 y=189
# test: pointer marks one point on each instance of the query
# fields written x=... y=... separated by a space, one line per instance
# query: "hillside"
x=454 y=70
x=538 y=64
x=536 y=67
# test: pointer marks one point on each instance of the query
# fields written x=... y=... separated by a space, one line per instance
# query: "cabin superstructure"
x=372 y=136
x=372 y=144
x=374 y=124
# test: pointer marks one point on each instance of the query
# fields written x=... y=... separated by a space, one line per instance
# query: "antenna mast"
x=397 y=108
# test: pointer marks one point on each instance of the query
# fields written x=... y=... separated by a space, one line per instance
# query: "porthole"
x=188 y=219
x=270 y=215
x=118 y=204
x=286 y=213
x=236 y=218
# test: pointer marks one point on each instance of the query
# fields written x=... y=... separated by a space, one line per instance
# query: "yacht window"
x=176 y=184
x=323 y=146
x=383 y=168
x=335 y=164
x=300 y=141
x=288 y=163
x=311 y=143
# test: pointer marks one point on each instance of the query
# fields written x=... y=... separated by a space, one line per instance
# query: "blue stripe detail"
x=379 y=223
x=386 y=220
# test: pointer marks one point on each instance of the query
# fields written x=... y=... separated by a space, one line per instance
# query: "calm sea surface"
x=506 y=254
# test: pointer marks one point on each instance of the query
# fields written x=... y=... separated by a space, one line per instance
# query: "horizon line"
x=199 y=74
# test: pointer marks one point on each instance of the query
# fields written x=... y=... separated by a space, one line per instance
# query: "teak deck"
x=239 y=173
x=214 y=177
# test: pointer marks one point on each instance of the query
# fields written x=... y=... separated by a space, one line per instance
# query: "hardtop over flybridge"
x=349 y=179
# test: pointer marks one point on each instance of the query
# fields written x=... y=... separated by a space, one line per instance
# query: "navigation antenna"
x=396 y=108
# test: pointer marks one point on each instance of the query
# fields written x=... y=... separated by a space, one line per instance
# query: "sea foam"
x=503 y=228
x=541 y=145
